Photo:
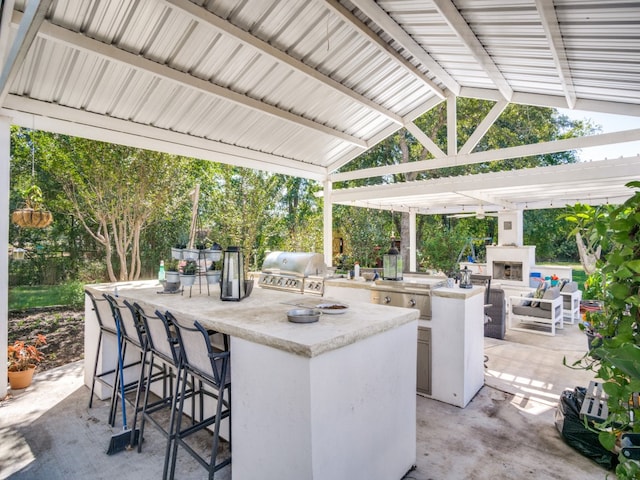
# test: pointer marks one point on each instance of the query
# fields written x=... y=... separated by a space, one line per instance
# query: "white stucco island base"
x=331 y=400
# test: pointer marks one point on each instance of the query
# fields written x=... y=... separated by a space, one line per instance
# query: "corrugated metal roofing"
x=302 y=87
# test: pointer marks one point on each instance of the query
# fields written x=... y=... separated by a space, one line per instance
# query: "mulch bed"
x=63 y=327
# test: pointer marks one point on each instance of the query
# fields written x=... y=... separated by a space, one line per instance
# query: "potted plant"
x=33 y=214
x=171 y=267
x=616 y=357
x=188 y=275
x=22 y=361
x=214 y=253
x=214 y=272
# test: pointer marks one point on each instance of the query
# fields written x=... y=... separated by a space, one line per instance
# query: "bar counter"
x=327 y=400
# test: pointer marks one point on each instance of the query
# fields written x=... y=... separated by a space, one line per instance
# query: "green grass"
x=68 y=294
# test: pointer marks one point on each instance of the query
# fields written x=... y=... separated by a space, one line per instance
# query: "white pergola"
x=302 y=87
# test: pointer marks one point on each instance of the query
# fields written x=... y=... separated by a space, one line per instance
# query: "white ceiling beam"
x=483 y=127
x=488 y=198
x=409 y=118
x=202 y=15
x=494 y=155
x=568 y=180
x=114 y=54
x=552 y=30
x=55 y=118
x=459 y=25
x=380 y=17
x=5 y=28
x=554 y=101
x=30 y=22
x=425 y=141
x=452 y=126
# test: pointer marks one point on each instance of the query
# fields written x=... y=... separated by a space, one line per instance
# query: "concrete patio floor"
x=506 y=432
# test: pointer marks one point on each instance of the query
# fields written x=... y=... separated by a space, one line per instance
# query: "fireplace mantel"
x=511 y=265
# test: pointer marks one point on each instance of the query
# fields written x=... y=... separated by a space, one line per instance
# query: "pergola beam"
x=551 y=28
x=28 y=27
x=204 y=16
x=459 y=25
x=494 y=155
x=114 y=54
x=381 y=18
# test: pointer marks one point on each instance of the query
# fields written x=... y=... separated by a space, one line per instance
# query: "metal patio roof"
x=303 y=87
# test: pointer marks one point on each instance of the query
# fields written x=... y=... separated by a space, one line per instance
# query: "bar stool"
x=162 y=345
x=107 y=326
x=132 y=336
x=201 y=361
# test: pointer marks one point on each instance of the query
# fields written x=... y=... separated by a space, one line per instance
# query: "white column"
x=5 y=170
x=328 y=223
x=412 y=241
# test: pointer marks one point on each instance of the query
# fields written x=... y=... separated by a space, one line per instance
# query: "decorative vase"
x=21 y=379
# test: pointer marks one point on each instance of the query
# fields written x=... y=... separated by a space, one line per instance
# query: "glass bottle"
x=161 y=275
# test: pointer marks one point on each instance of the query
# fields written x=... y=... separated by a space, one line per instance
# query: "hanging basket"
x=32 y=218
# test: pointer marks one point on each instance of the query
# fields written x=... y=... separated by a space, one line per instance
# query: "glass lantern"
x=465 y=278
x=232 y=285
x=392 y=263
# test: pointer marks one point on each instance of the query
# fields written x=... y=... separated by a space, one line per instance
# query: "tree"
x=114 y=192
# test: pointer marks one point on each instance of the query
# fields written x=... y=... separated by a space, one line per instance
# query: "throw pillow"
x=539 y=293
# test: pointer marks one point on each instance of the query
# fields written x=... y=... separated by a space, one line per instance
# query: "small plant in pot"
x=214 y=272
x=189 y=270
x=171 y=267
x=22 y=359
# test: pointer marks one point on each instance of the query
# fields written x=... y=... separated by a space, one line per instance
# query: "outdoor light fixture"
x=465 y=278
x=232 y=286
x=392 y=263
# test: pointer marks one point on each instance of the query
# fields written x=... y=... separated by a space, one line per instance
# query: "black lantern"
x=392 y=263
x=465 y=278
x=232 y=285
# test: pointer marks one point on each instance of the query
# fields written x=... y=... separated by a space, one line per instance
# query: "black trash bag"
x=574 y=432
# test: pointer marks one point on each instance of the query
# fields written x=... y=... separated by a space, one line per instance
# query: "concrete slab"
x=507 y=431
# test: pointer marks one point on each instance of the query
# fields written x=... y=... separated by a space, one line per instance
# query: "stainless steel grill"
x=405 y=294
x=301 y=272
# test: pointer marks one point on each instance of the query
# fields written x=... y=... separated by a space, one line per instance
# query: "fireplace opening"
x=507 y=271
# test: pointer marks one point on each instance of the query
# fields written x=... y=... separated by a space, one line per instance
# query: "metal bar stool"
x=163 y=345
x=107 y=326
x=133 y=336
x=202 y=361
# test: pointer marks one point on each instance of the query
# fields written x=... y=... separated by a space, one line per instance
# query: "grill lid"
x=299 y=264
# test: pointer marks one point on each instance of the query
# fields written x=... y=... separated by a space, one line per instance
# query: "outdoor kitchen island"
x=329 y=400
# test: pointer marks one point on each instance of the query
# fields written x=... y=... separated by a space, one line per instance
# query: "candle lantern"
x=465 y=278
x=232 y=286
x=392 y=263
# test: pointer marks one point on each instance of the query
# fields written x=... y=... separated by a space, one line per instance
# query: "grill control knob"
x=387 y=300
x=412 y=303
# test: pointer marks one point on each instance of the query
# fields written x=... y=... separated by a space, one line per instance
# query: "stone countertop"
x=262 y=317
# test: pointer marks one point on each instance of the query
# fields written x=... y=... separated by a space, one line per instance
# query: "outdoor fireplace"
x=511 y=265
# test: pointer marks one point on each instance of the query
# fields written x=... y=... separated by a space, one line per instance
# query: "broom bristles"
x=123 y=441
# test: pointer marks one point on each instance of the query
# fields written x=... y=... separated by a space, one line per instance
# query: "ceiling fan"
x=479 y=214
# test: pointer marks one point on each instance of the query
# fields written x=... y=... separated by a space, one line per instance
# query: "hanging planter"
x=33 y=214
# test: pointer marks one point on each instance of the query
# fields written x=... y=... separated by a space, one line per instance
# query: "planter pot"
x=213 y=255
x=187 y=280
x=213 y=276
x=172 y=277
x=176 y=253
x=30 y=218
x=22 y=379
x=190 y=254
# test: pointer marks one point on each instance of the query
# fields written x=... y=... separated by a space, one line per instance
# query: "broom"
x=125 y=439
